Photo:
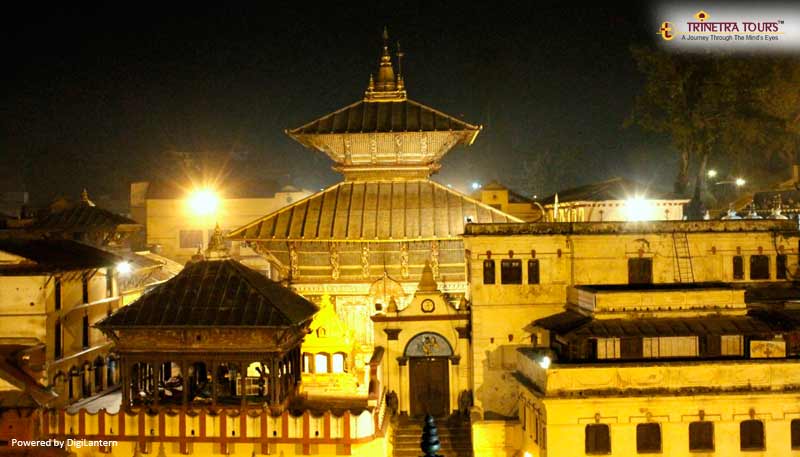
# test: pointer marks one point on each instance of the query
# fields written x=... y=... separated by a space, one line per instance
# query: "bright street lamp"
x=712 y=173
x=203 y=202
x=124 y=268
x=476 y=185
x=740 y=182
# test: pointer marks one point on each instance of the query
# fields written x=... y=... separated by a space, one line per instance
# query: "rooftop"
x=214 y=293
x=611 y=189
x=51 y=256
x=611 y=228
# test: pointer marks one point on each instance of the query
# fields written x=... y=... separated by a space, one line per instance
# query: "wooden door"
x=430 y=386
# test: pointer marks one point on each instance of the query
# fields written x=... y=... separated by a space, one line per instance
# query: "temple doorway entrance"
x=429 y=374
x=430 y=386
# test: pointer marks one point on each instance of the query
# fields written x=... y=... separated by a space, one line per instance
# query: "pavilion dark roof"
x=369 y=210
x=82 y=217
x=611 y=189
x=571 y=324
x=51 y=256
x=383 y=117
x=215 y=293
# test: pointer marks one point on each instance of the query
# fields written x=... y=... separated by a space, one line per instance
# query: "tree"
x=741 y=109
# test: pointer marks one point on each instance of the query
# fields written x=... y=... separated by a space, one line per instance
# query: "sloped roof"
x=49 y=256
x=374 y=210
x=611 y=189
x=82 y=217
x=383 y=117
x=214 y=293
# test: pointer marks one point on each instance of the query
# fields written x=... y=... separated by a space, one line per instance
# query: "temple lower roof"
x=374 y=211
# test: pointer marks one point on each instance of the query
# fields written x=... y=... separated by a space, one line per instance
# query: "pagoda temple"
x=387 y=218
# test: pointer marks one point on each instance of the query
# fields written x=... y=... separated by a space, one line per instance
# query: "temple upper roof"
x=374 y=210
x=385 y=135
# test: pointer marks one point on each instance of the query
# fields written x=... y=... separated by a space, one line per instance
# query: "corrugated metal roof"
x=49 y=256
x=215 y=293
x=380 y=117
x=374 y=210
x=82 y=217
x=570 y=324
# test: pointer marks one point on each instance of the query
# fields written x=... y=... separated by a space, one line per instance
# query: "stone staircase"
x=454 y=434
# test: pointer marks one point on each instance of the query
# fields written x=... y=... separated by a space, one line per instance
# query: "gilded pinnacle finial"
x=85 y=198
x=386 y=86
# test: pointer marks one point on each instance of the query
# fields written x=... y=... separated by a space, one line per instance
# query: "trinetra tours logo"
x=728 y=28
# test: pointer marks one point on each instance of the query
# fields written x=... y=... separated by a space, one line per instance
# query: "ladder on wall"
x=683 y=258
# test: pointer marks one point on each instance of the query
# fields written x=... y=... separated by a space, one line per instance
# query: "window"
x=533 y=271
x=321 y=363
x=701 y=436
x=731 y=345
x=780 y=266
x=648 y=438
x=751 y=435
x=58 y=341
x=337 y=363
x=738 y=267
x=488 y=271
x=85 y=288
x=598 y=439
x=759 y=267
x=630 y=347
x=191 y=239
x=306 y=363
x=109 y=283
x=608 y=348
x=57 y=294
x=670 y=346
x=640 y=271
x=85 y=333
x=795 y=432
x=511 y=271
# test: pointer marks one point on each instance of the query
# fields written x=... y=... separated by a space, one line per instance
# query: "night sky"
x=99 y=97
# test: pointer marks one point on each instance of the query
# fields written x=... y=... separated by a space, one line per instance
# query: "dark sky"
x=98 y=97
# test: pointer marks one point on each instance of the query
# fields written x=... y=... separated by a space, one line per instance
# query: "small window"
x=109 y=283
x=640 y=271
x=337 y=363
x=58 y=341
x=759 y=267
x=533 y=271
x=85 y=288
x=57 y=294
x=795 y=432
x=738 y=267
x=488 y=271
x=631 y=347
x=731 y=345
x=648 y=438
x=191 y=239
x=511 y=271
x=701 y=436
x=780 y=267
x=751 y=435
x=608 y=348
x=85 y=332
x=598 y=439
x=321 y=363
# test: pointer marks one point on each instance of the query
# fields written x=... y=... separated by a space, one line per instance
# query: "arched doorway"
x=429 y=374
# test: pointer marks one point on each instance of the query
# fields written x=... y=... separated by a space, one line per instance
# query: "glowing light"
x=124 y=267
x=527 y=454
x=638 y=209
x=545 y=362
x=712 y=173
x=740 y=182
x=203 y=202
x=476 y=185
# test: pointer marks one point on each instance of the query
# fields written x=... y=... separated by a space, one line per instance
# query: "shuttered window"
x=780 y=266
x=751 y=435
x=608 y=348
x=738 y=267
x=533 y=271
x=701 y=436
x=640 y=271
x=598 y=439
x=795 y=432
x=670 y=346
x=648 y=438
x=488 y=272
x=731 y=344
x=511 y=271
x=759 y=267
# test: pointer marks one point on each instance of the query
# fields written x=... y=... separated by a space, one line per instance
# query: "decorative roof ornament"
x=217 y=249
x=386 y=87
x=427 y=283
x=753 y=214
x=85 y=198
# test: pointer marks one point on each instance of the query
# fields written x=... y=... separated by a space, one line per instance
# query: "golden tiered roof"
x=385 y=135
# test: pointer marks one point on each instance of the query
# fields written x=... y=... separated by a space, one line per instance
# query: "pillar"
x=185 y=380
x=243 y=384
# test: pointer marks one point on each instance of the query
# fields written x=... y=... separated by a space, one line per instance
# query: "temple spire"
x=386 y=86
